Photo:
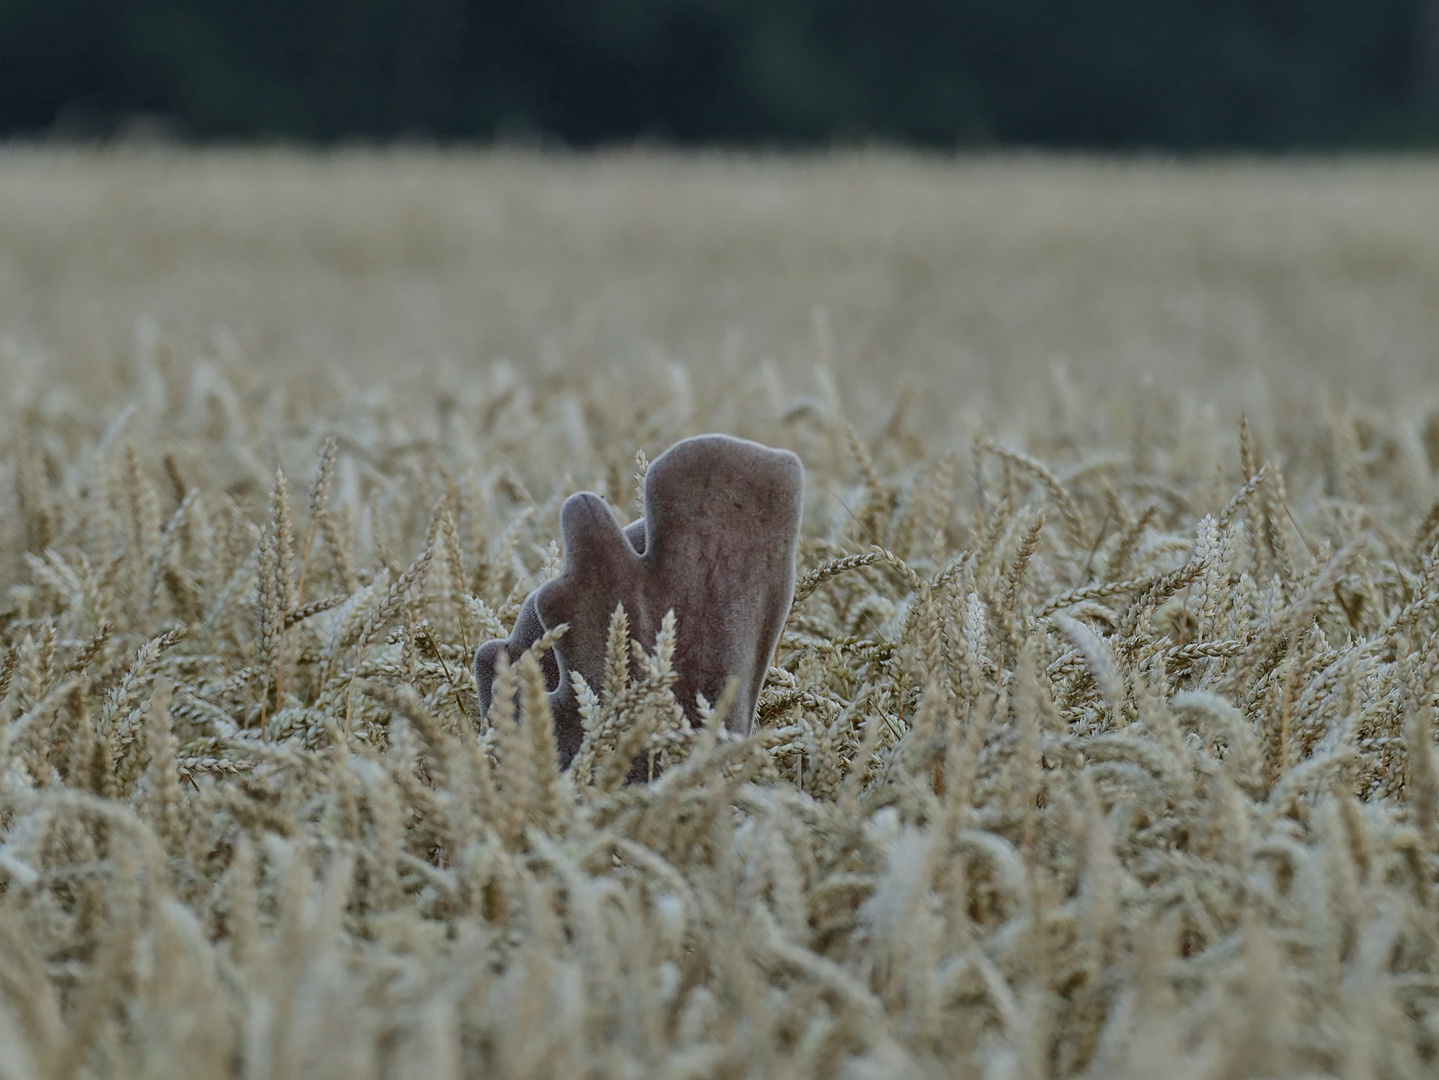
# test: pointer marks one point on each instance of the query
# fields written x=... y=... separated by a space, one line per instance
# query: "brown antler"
x=716 y=546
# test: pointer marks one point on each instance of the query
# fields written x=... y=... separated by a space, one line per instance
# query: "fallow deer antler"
x=716 y=545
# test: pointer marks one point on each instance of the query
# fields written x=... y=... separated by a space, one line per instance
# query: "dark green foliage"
x=1106 y=73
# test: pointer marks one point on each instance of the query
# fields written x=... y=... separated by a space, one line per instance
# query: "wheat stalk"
x=1149 y=789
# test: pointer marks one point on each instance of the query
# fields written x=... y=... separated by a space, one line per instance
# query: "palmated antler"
x=716 y=546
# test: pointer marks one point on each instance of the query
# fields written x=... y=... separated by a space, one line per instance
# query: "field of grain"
x=1101 y=737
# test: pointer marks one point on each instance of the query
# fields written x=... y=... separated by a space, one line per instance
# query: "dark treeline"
x=1179 y=74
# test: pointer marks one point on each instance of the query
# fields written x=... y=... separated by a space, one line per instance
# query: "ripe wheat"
x=1099 y=749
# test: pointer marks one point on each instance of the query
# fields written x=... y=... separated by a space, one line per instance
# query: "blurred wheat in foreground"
x=1082 y=758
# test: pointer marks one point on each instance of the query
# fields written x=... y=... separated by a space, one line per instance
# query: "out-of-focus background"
x=953 y=279
x=1174 y=74
x=954 y=196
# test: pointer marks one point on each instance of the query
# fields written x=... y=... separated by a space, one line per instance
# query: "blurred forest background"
x=1164 y=74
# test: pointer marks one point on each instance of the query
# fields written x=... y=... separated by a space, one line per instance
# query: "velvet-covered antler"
x=716 y=546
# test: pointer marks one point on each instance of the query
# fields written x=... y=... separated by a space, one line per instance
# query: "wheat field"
x=1099 y=743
